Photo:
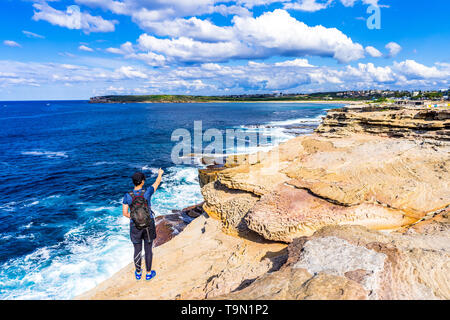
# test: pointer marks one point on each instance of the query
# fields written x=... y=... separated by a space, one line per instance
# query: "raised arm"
x=158 y=179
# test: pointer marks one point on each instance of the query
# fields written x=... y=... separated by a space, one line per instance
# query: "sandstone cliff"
x=358 y=210
x=365 y=169
x=432 y=125
x=342 y=175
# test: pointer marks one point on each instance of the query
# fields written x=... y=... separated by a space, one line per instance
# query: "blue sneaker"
x=150 y=276
x=138 y=275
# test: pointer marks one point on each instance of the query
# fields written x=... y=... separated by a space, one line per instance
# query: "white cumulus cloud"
x=308 y=5
x=280 y=33
x=130 y=72
x=294 y=63
x=11 y=43
x=393 y=48
x=72 y=18
x=214 y=78
x=316 y=5
x=369 y=72
x=415 y=70
x=270 y=34
x=30 y=34
x=203 y=30
x=373 y=52
x=85 y=48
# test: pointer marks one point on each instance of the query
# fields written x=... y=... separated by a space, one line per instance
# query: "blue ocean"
x=65 y=166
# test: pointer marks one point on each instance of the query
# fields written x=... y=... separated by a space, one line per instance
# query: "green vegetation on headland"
x=380 y=95
x=187 y=99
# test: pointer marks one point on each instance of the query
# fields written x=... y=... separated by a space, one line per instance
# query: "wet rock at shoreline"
x=168 y=226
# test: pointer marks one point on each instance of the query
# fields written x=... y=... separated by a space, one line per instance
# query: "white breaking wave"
x=88 y=254
x=79 y=263
x=27 y=226
x=97 y=209
x=272 y=135
x=47 y=154
x=10 y=206
x=104 y=163
x=151 y=169
x=290 y=122
x=13 y=205
x=179 y=189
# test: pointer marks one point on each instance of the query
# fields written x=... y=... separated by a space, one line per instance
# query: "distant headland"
x=342 y=96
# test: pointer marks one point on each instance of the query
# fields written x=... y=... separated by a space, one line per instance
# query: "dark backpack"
x=140 y=211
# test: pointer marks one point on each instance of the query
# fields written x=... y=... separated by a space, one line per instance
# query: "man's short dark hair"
x=138 y=177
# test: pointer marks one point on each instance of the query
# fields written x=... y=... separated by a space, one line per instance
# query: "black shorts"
x=137 y=235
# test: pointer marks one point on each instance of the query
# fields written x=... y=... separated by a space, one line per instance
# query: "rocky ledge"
x=431 y=125
x=334 y=194
x=352 y=262
x=337 y=262
x=346 y=174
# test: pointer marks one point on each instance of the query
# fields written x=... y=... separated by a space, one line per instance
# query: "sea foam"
x=47 y=154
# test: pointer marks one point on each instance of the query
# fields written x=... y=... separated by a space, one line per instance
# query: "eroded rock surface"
x=346 y=174
x=352 y=262
x=228 y=205
x=432 y=125
x=399 y=173
x=289 y=212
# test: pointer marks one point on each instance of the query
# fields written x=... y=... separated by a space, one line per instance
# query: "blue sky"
x=80 y=48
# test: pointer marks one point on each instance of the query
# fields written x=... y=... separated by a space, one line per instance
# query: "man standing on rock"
x=142 y=221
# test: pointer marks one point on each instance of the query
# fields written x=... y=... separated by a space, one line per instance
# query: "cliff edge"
x=357 y=210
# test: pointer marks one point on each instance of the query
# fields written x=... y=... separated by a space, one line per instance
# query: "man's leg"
x=148 y=255
x=137 y=256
